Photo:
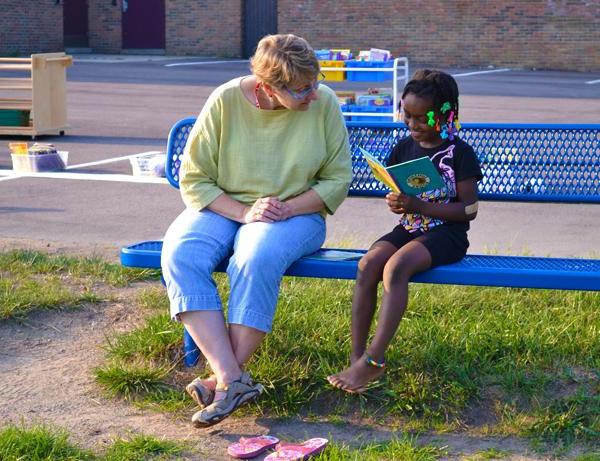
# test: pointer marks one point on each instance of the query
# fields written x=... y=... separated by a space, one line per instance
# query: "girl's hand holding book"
x=400 y=203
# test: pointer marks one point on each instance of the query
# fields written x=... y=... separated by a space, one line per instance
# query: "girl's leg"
x=370 y=271
x=364 y=300
x=262 y=253
x=411 y=259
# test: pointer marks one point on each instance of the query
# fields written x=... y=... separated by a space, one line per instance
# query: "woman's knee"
x=263 y=260
x=181 y=259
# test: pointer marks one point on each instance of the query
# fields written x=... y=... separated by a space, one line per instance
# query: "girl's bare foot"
x=355 y=378
x=354 y=359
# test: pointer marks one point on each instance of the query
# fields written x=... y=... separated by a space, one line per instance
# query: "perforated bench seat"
x=484 y=270
x=522 y=163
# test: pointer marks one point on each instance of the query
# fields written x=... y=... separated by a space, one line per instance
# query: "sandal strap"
x=244 y=380
x=237 y=393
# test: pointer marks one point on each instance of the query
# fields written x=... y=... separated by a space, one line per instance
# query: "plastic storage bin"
x=9 y=117
x=332 y=75
x=323 y=54
x=368 y=76
x=39 y=163
x=370 y=109
x=149 y=165
x=375 y=100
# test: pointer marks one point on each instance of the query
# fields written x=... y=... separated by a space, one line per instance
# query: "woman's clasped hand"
x=268 y=209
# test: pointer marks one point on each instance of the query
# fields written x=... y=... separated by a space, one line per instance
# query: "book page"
x=379 y=171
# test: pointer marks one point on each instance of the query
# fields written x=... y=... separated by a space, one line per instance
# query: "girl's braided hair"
x=436 y=85
x=442 y=90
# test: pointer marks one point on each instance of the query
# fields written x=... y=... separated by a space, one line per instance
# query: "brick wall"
x=25 y=29
x=204 y=27
x=104 y=26
x=542 y=34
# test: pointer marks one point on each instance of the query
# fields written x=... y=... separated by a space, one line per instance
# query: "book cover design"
x=412 y=177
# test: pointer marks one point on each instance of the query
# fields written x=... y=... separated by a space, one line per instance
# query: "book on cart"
x=411 y=178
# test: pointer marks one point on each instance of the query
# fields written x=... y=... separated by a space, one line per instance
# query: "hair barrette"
x=444 y=132
x=431 y=121
x=445 y=107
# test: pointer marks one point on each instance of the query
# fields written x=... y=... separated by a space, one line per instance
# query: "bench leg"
x=191 y=353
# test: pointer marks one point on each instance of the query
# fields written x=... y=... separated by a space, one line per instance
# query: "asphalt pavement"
x=120 y=106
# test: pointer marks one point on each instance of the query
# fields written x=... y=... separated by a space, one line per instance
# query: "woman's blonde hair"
x=284 y=59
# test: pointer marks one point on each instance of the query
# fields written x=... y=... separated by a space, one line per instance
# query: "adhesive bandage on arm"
x=471 y=209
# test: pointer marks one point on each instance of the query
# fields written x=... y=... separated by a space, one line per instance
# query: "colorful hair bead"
x=431 y=121
x=444 y=131
x=445 y=107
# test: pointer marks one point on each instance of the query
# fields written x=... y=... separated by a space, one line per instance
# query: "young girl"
x=433 y=225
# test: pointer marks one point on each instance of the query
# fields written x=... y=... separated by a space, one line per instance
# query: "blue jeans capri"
x=197 y=241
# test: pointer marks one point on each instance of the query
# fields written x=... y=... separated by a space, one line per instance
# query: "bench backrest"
x=520 y=162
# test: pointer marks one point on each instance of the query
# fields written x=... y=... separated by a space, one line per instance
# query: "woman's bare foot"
x=355 y=378
x=202 y=390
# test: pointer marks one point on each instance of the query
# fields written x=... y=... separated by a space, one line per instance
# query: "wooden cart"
x=39 y=98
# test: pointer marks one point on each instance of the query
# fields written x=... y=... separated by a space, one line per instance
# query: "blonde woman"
x=267 y=159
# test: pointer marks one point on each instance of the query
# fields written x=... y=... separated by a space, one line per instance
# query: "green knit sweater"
x=249 y=153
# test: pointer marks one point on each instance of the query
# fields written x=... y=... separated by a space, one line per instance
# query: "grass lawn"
x=34 y=280
x=488 y=361
x=495 y=361
x=43 y=443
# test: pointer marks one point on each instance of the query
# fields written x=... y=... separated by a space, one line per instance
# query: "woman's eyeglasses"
x=303 y=93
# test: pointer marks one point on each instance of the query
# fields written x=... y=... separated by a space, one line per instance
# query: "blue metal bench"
x=523 y=163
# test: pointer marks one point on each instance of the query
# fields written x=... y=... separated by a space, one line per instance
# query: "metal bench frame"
x=522 y=163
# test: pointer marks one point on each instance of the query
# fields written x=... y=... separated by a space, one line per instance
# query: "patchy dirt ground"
x=46 y=375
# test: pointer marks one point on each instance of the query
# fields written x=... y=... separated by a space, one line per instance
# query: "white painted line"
x=592 y=82
x=112 y=160
x=466 y=74
x=9 y=174
x=204 y=63
x=8 y=178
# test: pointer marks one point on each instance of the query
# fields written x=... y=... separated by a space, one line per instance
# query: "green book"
x=410 y=178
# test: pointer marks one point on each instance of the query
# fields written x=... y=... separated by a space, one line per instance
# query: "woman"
x=267 y=159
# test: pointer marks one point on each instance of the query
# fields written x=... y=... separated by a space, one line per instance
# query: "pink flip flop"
x=298 y=452
x=252 y=446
